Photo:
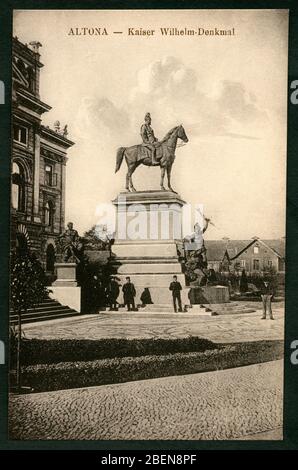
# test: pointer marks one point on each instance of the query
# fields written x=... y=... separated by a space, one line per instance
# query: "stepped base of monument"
x=203 y=310
x=231 y=308
x=158 y=285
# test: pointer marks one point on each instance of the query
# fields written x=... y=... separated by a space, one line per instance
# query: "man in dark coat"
x=267 y=293
x=176 y=288
x=129 y=293
x=112 y=293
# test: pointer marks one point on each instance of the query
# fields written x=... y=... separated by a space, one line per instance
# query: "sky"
x=228 y=92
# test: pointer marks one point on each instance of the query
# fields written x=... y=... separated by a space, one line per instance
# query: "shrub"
x=59 y=376
x=39 y=351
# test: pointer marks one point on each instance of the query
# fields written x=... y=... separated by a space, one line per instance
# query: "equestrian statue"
x=151 y=153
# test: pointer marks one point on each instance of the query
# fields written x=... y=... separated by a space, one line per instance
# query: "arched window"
x=50 y=258
x=18 y=187
x=49 y=214
x=21 y=243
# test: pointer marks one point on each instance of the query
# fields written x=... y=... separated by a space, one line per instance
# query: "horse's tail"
x=119 y=158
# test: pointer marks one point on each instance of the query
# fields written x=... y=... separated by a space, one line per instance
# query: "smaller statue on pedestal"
x=70 y=245
x=196 y=253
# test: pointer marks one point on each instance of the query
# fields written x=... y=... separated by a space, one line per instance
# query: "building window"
x=49 y=214
x=256 y=250
x=242 y=263
x=18 y=187
x=20 y=134
x=50 y=176
x=50 y=258
x=256 y=264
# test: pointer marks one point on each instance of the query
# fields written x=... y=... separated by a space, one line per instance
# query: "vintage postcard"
x=148 y=203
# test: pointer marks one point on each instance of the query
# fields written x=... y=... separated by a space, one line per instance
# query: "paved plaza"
x=241 y=403
x=221 y=329
x=224 y=404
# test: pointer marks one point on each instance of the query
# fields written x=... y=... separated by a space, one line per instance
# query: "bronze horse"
x=139 y=154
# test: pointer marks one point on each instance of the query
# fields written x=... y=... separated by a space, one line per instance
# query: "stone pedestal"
x=209 y=295
x=66 y=275
x=65 y=289
x=148 y=236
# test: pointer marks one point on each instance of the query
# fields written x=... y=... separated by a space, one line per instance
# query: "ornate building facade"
x=39 y=157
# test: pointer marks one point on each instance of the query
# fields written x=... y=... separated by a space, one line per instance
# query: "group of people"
x=112 y=292
x=129 y=294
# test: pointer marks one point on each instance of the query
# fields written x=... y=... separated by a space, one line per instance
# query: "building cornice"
x=25 y=52
x=54 y=136
x=32 y=102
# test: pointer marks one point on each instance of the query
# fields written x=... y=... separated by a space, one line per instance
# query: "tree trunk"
x=19 y=352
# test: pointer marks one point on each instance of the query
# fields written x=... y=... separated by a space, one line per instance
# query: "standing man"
x=129 y=293
x=112 y=293
x=149 y=139
x=176 y=288
x=267 y=292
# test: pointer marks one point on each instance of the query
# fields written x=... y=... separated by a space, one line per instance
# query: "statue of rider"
x=149 y=139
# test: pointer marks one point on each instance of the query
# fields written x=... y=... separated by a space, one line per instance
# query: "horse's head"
x=181 y=134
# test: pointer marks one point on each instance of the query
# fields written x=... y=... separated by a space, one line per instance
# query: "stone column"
x=36 y=176
x=62 y=205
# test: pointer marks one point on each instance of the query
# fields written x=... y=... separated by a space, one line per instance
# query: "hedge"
x=40 y=351
x=108 y=371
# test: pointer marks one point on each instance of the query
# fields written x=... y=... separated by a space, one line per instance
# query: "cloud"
x=172 y=92
x=98 y=117
x=239 y=104
x=166 y=78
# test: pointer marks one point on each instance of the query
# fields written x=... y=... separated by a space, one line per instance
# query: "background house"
x=253 y=255
x=38 y=161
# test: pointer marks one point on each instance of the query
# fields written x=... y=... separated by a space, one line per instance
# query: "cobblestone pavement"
x=225 y=328
x=225 y=404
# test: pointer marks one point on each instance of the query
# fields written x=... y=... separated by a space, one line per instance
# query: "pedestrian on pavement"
x=129 y=293
x=176 y=288
x=112 y=293
x=267 y=293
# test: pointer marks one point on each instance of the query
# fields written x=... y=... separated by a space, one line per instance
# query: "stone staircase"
x=49 y=309
x=229 y=308
x=158 y=308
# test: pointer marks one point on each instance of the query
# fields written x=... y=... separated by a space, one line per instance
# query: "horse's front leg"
x=127 y=181
x=130 y=172
x=162 y=175
x=169 y=168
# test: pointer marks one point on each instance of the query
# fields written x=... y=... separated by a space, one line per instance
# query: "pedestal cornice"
x=148 y=197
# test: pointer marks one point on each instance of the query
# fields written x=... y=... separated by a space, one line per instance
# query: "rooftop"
x=216 y=248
